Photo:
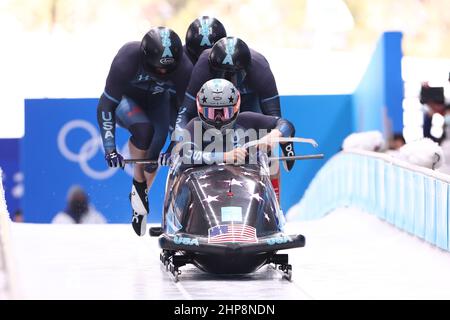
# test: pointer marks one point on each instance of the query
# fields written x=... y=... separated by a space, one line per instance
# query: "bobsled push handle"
x=141 y=161
x=254 y=143
x=303 y=157
x=284 y=139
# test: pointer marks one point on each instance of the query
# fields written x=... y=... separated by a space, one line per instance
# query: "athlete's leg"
x=146 y=141
x=159 y=116
x=132 y=117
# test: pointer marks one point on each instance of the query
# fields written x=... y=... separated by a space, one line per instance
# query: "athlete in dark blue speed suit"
x=145 y=86
x=230 y=58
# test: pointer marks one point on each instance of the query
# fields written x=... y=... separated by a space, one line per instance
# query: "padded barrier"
x=414 y=199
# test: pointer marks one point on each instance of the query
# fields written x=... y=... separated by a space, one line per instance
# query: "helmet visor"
x=222 y=114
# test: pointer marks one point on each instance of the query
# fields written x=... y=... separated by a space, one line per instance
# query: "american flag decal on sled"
x=232 y=233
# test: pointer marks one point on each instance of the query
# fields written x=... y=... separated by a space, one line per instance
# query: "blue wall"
x=326 y=119
x=380 y=91
x=49 y=174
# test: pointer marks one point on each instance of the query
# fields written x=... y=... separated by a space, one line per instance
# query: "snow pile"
x=369 y=141
x=424 y=152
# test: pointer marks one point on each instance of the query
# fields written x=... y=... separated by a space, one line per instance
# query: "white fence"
x=412 y=198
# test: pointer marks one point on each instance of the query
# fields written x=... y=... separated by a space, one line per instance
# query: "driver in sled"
x=220 y=132
x=230 y=58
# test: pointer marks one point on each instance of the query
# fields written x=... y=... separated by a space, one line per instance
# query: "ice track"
x=348 y=255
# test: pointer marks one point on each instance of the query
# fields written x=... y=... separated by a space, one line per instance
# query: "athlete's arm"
x=106 y=119
x=258 y=121
x=121 y=71
x=279 y=128
x=276 y=127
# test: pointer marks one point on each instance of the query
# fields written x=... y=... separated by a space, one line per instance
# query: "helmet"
x=218 y=103
x=229 y=56
x=161 y=50
x=202 y=33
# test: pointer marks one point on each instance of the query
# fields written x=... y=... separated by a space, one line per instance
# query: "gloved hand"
x=235 y=156
x=165 y=159
x=114 y=159
x=288 y=151
x=266 y=143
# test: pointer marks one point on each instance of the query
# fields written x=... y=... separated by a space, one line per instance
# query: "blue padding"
x=430 y=210
x=441 y=215
x=379 y=190
x=399 y=211
x=409 y=205
x=448 y=217
x=410 y=200
x=390 y=193
x=419 y=205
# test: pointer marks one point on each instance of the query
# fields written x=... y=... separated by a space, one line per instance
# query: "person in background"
x=78 y=209
x=433 y=122
x=397 y=141
x=202 y=34
x=18 y=216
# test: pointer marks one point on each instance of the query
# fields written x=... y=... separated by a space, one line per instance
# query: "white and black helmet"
x=218 y=103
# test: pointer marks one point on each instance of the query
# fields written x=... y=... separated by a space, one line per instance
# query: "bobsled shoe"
x=139 y=205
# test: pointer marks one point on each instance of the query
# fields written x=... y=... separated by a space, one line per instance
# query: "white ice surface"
x=348 y=255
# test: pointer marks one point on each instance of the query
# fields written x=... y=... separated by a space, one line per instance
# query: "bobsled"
x=224 y=219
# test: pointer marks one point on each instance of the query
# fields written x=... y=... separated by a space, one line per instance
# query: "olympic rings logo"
x=88 y=150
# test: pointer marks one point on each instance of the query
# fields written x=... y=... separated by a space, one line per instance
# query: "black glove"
x=114 y=159
x=165 y=159
x=288 y=151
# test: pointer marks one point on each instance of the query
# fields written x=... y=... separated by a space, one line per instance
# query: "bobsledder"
x=225 y=219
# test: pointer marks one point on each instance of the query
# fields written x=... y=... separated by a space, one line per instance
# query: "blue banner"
x=62 y=147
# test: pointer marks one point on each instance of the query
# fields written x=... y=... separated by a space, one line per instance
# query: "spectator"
x=433 y=123
x=18 y=216
x=396 y=142
x=78 y=209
